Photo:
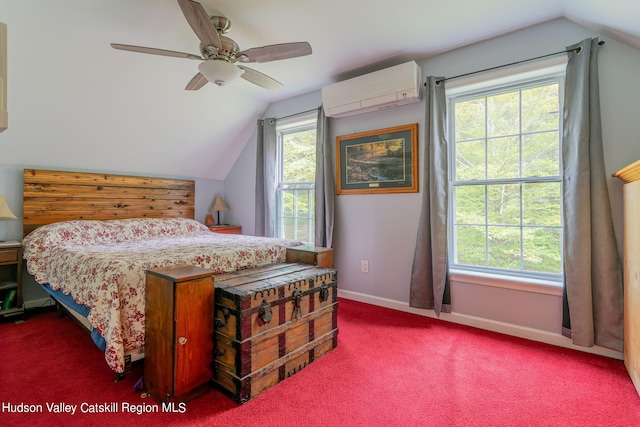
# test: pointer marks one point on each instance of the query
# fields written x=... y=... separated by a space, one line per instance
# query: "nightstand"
x=226 y=229
x=11 y=279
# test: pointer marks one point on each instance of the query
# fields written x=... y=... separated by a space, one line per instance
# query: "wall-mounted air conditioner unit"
x=390 y=87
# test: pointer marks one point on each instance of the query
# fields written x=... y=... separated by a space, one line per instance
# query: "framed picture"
x=379 y=161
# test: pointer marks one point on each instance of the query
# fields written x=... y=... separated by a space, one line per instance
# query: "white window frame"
x=528 y=74
x=298 y=123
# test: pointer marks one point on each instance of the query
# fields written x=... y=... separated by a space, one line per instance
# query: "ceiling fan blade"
x=154 y=51
x=262 y=80
x=200 y=23
x=275 y=52
x=197 y=82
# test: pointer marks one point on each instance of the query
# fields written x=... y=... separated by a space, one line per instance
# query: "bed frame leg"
x=61 y=312
x=127 y=368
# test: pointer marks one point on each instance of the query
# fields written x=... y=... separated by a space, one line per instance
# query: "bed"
x=89 y=240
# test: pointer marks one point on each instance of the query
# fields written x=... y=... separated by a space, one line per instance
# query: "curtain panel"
x=325 y=186
x=429 y=287
x=266 y=157
x=266 y=164
x=593 y=300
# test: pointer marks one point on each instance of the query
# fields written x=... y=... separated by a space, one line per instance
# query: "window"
x=505 y=186
x=296 y=179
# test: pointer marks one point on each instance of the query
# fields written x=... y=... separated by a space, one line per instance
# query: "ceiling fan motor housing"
x=228 y=50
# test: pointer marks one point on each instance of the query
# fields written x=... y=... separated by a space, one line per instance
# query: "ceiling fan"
x=220 y=55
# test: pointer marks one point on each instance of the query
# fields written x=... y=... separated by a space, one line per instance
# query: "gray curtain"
x=429 y=286
x=593 y=276
x=325 y=184
x=266 y=157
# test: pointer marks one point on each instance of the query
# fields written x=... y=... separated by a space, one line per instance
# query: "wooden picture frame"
x=379 y=161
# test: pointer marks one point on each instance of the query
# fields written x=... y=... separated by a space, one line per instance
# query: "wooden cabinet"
x=11 y=279
x=226 y=229
x=178 y=332
x=314 y=255
x=631 y=196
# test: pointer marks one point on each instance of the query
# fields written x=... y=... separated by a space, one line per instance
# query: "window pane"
x=311 y=197
x=297 y=211
x=504 y=247
x=302 y=229
x=470 y=243
x=510 y=142
x=540 y=108
x=541 y=203
x=299 y=151
x=542 y=250
x=287 y=203
x=470 y=119
x=470 y=204
x=541 y=154
x=287 y=227
x=503 y=114
x=301 y=203
x=503 y=158
x=470 y=160
x=503 y=204
x=296 y=176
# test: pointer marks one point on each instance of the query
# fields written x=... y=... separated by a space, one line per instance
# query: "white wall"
x=382 y=228
x=74 y=102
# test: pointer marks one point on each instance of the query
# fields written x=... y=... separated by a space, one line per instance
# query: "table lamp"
x=217 y=206
x=5 y=212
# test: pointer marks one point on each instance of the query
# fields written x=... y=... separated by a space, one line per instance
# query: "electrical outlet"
x=364 y=266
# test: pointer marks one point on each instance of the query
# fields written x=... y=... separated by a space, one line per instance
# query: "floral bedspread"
x=102 y=264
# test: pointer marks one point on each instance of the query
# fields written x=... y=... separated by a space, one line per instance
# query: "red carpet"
x=389 y=369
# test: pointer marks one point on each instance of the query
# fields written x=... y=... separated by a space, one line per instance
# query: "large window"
x=506 y=213
x=296 y=179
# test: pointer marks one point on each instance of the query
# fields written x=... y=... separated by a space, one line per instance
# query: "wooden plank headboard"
x=53 y=196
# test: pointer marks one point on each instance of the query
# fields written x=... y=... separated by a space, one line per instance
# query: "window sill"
x=547 y=287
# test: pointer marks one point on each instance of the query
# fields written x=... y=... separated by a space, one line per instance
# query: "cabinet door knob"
x=182 y=340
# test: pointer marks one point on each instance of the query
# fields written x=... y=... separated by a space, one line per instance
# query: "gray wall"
x=382 y=228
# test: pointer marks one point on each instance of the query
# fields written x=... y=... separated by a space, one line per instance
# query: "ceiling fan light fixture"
x=219 y=72
x=220 y=53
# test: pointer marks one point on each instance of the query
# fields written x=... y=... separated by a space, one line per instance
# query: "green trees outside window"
x=295 y=218
x=506 y=186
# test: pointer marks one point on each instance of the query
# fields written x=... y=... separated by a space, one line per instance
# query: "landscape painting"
x=381 y=161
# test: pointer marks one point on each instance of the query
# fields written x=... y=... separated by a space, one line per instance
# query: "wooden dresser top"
x=629 y=173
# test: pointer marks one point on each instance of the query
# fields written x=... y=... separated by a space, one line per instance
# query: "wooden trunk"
x=271 y=322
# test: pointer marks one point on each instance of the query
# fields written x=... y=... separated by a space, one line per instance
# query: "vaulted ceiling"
x=135 y=114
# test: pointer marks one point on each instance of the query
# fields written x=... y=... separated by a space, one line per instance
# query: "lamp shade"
x=5 y=212
x=219 y=72
x=218 y=205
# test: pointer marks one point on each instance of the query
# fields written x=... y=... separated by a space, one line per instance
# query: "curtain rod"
x=297 y=114
x=510 y=64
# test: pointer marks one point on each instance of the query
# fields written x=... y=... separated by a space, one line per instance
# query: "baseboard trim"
x=480 y=323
